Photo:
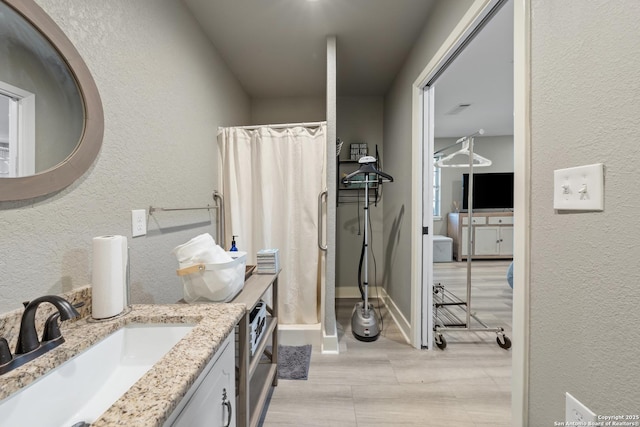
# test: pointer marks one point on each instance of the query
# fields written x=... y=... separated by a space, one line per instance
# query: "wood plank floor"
x=389 y=383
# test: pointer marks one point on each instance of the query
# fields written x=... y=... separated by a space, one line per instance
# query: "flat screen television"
x=490 y=190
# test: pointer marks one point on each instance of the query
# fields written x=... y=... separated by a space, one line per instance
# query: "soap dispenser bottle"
x=233 y=244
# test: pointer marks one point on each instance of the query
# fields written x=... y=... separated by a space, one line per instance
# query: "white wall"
x=165 y=91
x=498 y=149
x=584 y=292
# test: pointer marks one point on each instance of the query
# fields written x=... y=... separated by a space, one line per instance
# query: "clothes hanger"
x=478 y=160
x=367 y=167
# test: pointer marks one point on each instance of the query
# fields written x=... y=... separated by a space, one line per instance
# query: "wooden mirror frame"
x=79 y=161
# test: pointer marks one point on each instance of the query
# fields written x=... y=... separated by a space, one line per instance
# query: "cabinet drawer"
x=478 y=220
x=497 y=220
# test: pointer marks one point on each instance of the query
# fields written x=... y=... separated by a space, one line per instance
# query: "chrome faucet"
x=28 y=346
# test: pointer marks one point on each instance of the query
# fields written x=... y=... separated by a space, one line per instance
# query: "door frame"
x=22 y=138
x=522 y=179
x=427 y=170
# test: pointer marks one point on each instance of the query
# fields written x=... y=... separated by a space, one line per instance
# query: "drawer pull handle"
x=226 y=403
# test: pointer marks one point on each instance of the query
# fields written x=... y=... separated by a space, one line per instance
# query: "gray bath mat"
x=293 y=362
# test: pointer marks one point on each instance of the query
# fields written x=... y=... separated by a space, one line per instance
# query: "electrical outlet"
x=579 y=189
x=574 y=411
x=138 y=222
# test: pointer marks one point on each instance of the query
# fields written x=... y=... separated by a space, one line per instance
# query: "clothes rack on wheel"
x=447 y=305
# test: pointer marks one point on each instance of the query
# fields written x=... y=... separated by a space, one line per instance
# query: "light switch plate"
x=579 y=189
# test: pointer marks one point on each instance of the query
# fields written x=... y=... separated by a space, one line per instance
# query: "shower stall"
x=273 y=178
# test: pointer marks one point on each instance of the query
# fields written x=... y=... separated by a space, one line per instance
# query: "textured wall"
x=165 y=91
x=288 y=110
x=360 y=119
x=585 y=71
x=443 y=17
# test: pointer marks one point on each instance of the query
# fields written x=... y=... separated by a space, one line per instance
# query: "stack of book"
x=268 y=261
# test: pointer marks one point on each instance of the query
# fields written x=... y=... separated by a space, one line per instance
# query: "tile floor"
x=389 y=383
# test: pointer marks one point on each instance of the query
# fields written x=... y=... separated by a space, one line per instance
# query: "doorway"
x=17 y=131
x=522 y=181
x=471 y=92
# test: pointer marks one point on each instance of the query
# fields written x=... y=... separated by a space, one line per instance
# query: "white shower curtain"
x=271 y=178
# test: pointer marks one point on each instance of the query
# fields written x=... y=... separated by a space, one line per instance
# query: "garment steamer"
x=364 y=321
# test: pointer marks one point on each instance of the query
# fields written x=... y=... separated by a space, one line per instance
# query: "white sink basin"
x=81 y=389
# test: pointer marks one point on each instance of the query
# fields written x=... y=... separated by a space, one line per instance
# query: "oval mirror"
x=51 y=118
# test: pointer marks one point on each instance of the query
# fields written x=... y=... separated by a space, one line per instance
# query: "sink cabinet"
x=211 y=399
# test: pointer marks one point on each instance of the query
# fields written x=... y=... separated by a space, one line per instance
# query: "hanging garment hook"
x=367 y=168
x=478 y=160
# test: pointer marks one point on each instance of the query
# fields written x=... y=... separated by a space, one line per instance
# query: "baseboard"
x=300 y=334
x=348 y=292
x=403 y=324
x=330 y=344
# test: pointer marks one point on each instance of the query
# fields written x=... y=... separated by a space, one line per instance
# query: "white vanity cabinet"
x=493 y=241
x=211 y=401
x=492 y=234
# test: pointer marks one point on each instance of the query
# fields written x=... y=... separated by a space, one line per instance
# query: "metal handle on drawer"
x=322 y=195
x=226 y=403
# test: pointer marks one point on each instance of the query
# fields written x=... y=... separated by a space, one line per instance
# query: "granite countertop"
x=151 y=400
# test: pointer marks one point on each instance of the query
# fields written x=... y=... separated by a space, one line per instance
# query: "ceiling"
x=482 y=76
x=277 y=48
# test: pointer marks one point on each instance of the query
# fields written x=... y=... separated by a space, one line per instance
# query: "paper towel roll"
x=109 y=276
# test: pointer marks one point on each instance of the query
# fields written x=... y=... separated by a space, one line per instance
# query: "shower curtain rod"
x=277 y=126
